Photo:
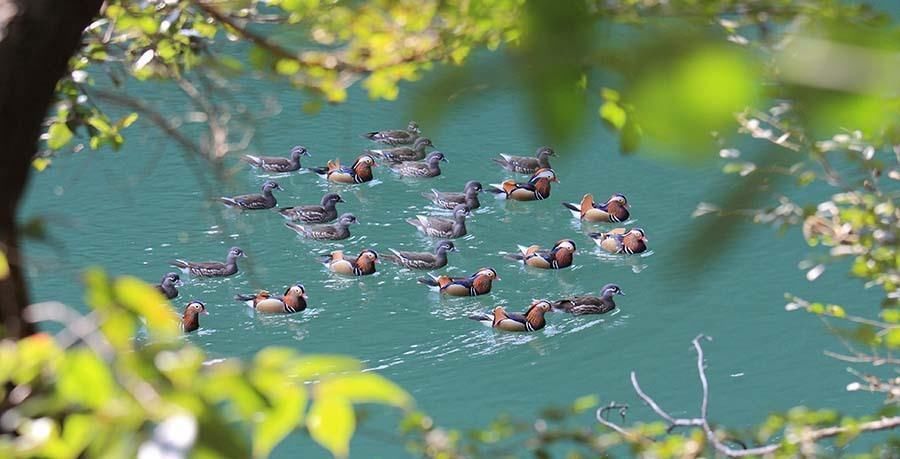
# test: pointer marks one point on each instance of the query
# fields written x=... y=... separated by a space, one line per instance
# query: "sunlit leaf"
x=331 y=423
x=364 y=388
x=147 y=302
x=82 y=369
x=58 y=135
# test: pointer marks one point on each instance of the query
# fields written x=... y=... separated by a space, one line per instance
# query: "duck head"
x=413 y=127
x=446 y=246
x=298 y=151
x=235 y=252
x=473 y=187
x=297 y=290
x=347 y=219
x=545 y=151
x=639 y=234
x=610 y=290
x=172 y=279
x=565 y=244
x=544 y=173
x=422 y=142
x=194 y=308
x=489 y=273
x=364 y=161
x=435 y=156
x=330 y=199
x=460 y=212
x=270 y=185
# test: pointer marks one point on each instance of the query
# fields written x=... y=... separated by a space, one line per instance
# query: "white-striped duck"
x=396 y=136
x=526 y=164
x=530 y=320
x=359 y=172
x=431 y=167
x=450 y=199
x=416 y=152
x=361 y=265
x=560 y=256
x=614 y=210
x=474 y=285
x=169 y=284
x=190 y=319
x=332 y=232
x=265 y=200
x=277 y=163
x=536 y=188
x=422 y=260
x=212 y=268
x=621 y=240
x=293 y=300
x=324 y=212
x=440 y=227
x=588 y=304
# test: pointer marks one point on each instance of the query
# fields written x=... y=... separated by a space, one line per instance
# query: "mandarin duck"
x=212 y=268
x=265 y=200
x=450 y=199
x=333 y=232
x=429 y=168
x=440 y=227
x=526 y=164
x=361 y=265
x=536 y=188
x=169 y=284
x=324 y=212
x=474 y=285
x=621 y=240
x=614 y=210
x=422 y=260
x=560 y=256
x=359 y=172
x=190 y=320
x=414 y=153
x=277 y=163
x=588 y=304
x=293 y=300
x=396 y=136
x=530 y=320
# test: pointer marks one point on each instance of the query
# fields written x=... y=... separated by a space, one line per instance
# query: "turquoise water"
x=133 y=211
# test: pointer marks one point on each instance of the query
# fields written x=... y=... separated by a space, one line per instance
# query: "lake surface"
x=133 y=211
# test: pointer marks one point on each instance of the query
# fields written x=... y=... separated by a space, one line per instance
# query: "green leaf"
x=331 y=423
x=58 y=135
x=128 y=120
x=364 y=388
x=39 y=164
x=309 y=367
x=85 y=379
x=287 y=402
x=287 y=67
x=4 y=265
x=612 y=113
x=100 y=124
x=166 y=49
x=147 y=302
x=893 y=338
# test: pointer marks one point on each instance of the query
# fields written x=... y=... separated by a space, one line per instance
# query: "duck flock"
x=405 y=154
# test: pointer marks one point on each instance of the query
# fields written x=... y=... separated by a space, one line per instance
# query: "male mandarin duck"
x=621 y=240
x=428 y=168
x=526 y=164
x=450 y=199
x=265 y=200
x=396 y=136
x=530 y=320
x=169 y=284
x=293 y=300
x=615 y=209
x=474 y=285
x=322 y=213
x=277 y=163
x=333 y=232
x=536 y=188
x=359 y=172
x=212 y=268
x=361 y=265
x=422 y=260
x=588 y=304
x=440 y=227
x=414 y=153
x=190 y=320
x=560 y=256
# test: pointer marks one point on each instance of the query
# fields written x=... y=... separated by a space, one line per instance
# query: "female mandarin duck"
x=429 y=168
x=265 y=200
x=449 y=199
x=293 y=300
x=277 y=163
x=526 y=164
x=333 y=232
x=621 y=240
x=414 y=153
x=537 y=187
x=361 y=265
x=169 y=284
x=474 y=285
x=359 y=172
x=322 y=213
x=443 y=228
x=212 y=268
x=422 y=260
x=588 y=304
x=615 y=209
x=530 y=320
x=560 y=256
x=396 y=136
x=190 y=320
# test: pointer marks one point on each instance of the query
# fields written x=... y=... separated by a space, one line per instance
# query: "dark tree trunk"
x=35 y=46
